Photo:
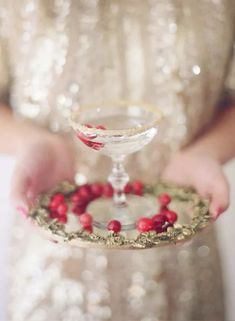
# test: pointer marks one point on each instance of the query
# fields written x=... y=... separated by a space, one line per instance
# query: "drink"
x=117 y=130
x=129 y=129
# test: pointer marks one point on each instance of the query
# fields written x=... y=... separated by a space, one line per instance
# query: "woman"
x=59 y=54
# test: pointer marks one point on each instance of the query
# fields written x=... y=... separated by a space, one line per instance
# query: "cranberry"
x=85 y=219
x=166 y=225
x=85 y=193
x=87 y=141
x=159 y=218
x=108 y=190
x=144 y=224
x=159 y=221
x=158 y=227
x=53 y=205
x=59 y=197
x=82 y=137
x=78 y=210
x=62 y=209
x=62 y=219
x=88 y=136
x=171 y=216
x=163 y=210
x=96 y=145
x=97 y=189
x=88 y=229
x=137 y=187
x=114 y=226
x=78 y=200
x=53 y=215
x=127 y=189
x=56 y=200
x=100 y=127
x=164 y=199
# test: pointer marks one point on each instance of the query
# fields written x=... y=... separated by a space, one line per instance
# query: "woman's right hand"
x=40 y=166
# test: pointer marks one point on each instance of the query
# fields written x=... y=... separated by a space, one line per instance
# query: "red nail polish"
x=218 y=212
x=22 y=211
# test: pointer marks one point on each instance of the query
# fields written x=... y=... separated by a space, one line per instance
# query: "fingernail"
x=218 y=212
x=22 y=211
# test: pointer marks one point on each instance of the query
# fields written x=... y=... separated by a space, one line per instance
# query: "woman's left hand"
x=204 y=173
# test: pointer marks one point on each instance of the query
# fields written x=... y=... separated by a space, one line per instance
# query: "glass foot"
x=103 y=211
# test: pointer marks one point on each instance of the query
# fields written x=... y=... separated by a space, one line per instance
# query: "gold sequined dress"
x=57 y=54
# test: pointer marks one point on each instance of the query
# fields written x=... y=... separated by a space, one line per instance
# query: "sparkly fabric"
x=179 y=283
x=59 y=54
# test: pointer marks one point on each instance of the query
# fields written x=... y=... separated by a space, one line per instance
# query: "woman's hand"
x=40 y=165
x=204 y=173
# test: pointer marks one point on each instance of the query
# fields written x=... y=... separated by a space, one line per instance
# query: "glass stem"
x=118 y=179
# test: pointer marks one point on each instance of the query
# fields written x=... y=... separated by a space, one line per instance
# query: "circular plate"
x=192 y=210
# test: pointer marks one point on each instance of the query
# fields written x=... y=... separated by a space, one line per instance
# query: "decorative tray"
x=63 y=215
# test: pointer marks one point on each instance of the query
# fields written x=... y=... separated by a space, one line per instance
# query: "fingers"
x=219 y=196
x=20 y=184
x=217 y=191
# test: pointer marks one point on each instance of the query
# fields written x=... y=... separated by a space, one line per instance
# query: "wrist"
x=203 y=150
x=33 y=136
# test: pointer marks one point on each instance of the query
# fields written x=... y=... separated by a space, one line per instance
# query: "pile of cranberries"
x=77 y=203
x=161 y=221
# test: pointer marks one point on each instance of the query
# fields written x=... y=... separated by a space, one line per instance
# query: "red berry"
x=127 y=189
x=53 y=205
x=100 y=127
x=108 y=190
x=166 y=225
x=75 y=197
x=56 y=200
x=88 y=229
x=96 y=189
x=114 y=226
x=158 y=227
x=163 y=210
x=171 y=216
x=96 y=145
x=164 y=199
x=87 y=141
x=78 y=210
x=158 y=222
x=53 y=214
x=85 y=219
x=78 y=200
x=85 y=193
x=137 y=187
x=59 y=197
x=144 y=224
x=159 y=218
x=81 y=137
x=62 y=219
x=62 y=209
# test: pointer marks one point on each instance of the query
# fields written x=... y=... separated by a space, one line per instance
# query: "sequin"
x=203 y=251
x=73 y=53
x=74 y=88
x=196 y=69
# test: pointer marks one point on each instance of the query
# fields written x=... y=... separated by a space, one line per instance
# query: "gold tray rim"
x=179 y=233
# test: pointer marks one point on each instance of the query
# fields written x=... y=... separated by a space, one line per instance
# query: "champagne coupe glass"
x=117 y=129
